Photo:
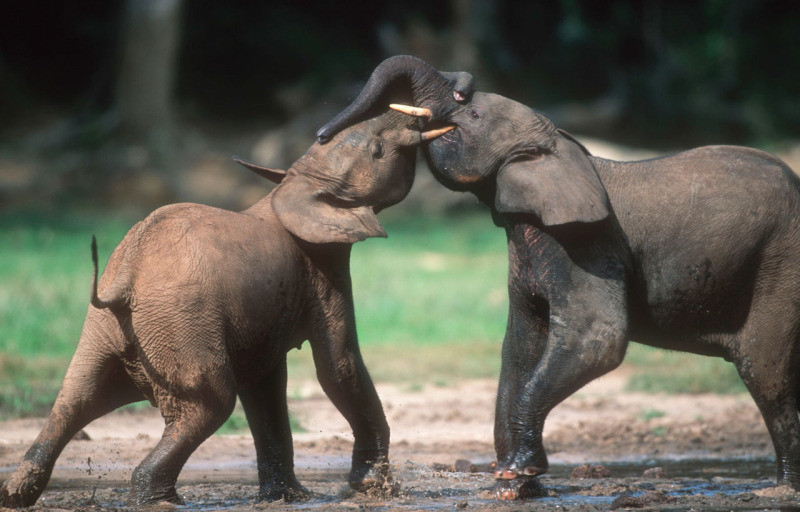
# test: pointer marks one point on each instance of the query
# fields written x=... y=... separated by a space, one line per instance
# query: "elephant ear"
x=273 y=175
x=318 y=217
x=558 y=187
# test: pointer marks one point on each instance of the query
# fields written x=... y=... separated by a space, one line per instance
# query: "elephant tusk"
x=414 y=111
x=432 y=134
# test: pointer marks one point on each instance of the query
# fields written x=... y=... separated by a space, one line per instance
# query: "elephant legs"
x=357 y=400
x=524 y=333
x=573 y=356
x=344 y=378
x=95 y=384
x=267 y=414
x=189 y=422
x=771 y=376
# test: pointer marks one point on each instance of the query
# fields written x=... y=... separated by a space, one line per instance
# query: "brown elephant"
x=697 y=251
x=198 y=304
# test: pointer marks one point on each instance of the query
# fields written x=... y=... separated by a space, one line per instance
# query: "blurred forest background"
x=141 y=102
x=111 y=108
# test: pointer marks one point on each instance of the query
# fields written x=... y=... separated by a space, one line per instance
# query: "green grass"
x=431 y=306
x=655 y=370
x=237 y=423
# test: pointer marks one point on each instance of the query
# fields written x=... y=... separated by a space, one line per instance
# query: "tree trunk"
x=146 y=77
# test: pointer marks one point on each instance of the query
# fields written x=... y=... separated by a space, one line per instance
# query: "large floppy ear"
x=318 y=217
x=558 y=187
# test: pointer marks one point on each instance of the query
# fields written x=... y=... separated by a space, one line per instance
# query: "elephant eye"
x=377 y=149
x=474 y=114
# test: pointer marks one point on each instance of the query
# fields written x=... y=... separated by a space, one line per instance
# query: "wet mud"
x=696 y=485
x=608 y=451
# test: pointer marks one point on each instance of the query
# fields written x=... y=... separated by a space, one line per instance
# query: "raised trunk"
x=400 y=78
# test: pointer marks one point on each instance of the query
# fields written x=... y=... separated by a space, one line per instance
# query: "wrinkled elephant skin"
x=697 y=252
x=198 y=305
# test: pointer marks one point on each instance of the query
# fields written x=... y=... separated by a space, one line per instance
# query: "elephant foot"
x=519 y=488
x=512 y=473
x=151 y=497
x=289 y=491
x=789 y=475
x=24 y=486
x=10 y=499
x=373 y=478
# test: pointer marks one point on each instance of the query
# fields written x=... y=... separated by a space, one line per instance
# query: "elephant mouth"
x=445 y=157
x=445 y=148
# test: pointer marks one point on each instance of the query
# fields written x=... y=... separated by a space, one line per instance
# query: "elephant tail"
x=115 y=296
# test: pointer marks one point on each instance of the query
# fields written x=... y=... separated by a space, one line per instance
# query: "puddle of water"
x=740 y=468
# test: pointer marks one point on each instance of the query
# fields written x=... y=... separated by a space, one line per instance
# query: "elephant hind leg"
x=94 y=385
x=189 y=422
x=772 y=381
x=267 y=413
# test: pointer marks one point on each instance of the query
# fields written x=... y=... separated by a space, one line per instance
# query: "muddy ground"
x=714 y=452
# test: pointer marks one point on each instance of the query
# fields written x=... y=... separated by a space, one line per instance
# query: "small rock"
x=486 y=467
x=783 y=491
x=588 y=471
x=81 y=436
x=582 y=471
x=600 y=472
x=462 y=504
x=656 y=472
x=645 y=500
x=465 y=466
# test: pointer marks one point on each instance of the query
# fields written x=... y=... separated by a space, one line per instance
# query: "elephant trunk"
x=403 y=74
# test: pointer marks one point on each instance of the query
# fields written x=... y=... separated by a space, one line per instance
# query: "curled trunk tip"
x=418 y=73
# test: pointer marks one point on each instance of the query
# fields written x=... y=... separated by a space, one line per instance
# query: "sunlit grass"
x=665 y=371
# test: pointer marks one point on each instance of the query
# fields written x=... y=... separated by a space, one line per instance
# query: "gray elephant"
x=199 y=304
x=697 y=252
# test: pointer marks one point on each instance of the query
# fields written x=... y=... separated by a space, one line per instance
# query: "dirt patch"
x=713 y=451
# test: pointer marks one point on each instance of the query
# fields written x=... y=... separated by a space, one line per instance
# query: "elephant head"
x=512 y=157
x=332 y=193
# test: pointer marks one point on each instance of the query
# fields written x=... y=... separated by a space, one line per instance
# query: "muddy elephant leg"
x=344 y=378
x=772 y=382
x=95 y=384
x=525 y=339
x=268 y=416
x=189 y=422
x=575 y=355
x=348 y=385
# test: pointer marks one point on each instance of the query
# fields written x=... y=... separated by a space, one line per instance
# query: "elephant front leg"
x=267 y=414
x=524 y=342
x=344 y=378
x=577 y=351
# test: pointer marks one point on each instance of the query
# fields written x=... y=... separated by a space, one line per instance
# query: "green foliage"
x=656 y=370
x=237 y=424
x=45 y=272
x=651 y=414
x=28 y=385
x=434 y=281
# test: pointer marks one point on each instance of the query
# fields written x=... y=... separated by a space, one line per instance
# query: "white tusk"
x=432 y=134
x=414 y=111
